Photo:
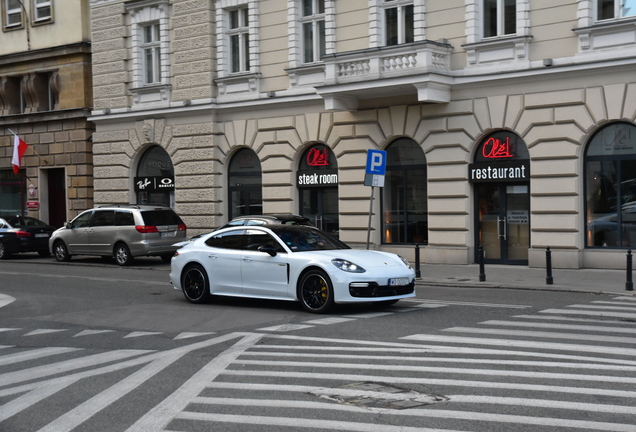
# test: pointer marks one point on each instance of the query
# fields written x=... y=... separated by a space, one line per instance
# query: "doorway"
x=321 y=207
x=56 y=190
x=503 y=222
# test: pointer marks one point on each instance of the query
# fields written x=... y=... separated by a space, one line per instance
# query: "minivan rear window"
x=160 y=217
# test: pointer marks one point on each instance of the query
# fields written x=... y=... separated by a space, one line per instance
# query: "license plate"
x=398 y=281
x=41 y=235
x=168 y=234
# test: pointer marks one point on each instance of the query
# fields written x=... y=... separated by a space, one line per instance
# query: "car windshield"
x=161 y=217
x=24 y=221
x=303 y=239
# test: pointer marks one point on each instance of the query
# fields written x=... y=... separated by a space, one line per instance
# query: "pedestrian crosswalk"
x=567 y=369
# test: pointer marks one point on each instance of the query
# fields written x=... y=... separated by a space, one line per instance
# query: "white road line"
x=329 y=321
x=44 y=331
x=141 y=333
x=369 y=315
x=5 y=300
x=522 y=402
x=405 y=359
x=9 y=378
x=34 y=354
x=589 y=313
x=587 y=320
x=444 y=370
x=92 y=332
x=525 y=344
x=286 y=327
x=88 y=278
x=459 y=303
x=598 y=328
x=431 y=381
x=413 y=412
x=547 y=335
x=188 y=335
x=303 y=423
x=593 y=306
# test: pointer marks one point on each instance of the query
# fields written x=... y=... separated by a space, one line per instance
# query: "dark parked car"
x=24 y=234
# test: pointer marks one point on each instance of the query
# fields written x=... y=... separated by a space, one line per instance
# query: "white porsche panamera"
x=294 y=263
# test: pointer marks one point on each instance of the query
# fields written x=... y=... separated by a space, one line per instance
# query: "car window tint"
x=160 y=217
x=24 y=221
x=256 y=239
x=228 y=240
x=124 y=218
x=82 y=220
x=103 y=218
x=253 y=222
x=307 y=239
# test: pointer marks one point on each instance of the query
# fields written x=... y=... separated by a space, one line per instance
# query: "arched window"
x=404 y=195
x=154 y=183
x=610 y=187
x=245 y=184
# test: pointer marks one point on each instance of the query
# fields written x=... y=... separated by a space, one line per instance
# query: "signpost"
x=374 y=176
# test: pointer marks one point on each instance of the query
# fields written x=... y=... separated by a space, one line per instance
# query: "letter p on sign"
x=376 y=162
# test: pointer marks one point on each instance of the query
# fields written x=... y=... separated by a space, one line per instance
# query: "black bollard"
x=482 y=272
x=629 y=285
x=548 y=266
x=418 y=273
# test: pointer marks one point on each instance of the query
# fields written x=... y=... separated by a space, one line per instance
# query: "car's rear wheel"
x=4 y=253
x=122 y=254
x=61 y=252
x=195 y=284
x=315 y=292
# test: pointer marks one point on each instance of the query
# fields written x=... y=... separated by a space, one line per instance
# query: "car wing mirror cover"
x=268 y=249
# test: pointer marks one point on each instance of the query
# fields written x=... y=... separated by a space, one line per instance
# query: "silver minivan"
x=120 y=231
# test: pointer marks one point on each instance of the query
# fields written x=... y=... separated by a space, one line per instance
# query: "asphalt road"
x=89 y=346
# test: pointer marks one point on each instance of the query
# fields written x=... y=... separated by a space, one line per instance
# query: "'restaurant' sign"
x=154 y=184
x=502 y=157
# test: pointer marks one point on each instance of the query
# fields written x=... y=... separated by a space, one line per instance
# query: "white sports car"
x=288 y=263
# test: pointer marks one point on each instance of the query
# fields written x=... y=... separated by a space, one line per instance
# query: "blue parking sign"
x=376 y=162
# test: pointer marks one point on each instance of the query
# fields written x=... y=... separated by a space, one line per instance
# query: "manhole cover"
x=378 y=395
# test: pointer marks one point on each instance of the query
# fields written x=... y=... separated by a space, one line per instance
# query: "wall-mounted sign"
x=317 y=178
x=32 y=205
x=153 y=184
x=32 y=191
x=499 y=172
x=318 y=157
x=495 y=148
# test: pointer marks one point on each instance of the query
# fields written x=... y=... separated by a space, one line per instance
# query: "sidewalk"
x=523 y=277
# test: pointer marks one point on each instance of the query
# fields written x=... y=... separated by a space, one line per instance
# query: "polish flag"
x=19 y=147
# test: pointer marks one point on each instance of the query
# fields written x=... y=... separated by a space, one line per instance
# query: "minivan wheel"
x=61 y=252
x=122 y=255
x=195 y=284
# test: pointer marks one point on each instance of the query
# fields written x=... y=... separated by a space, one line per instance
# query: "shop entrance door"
x=503 y=223
x=321 y=207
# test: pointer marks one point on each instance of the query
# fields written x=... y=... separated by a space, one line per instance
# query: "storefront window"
x=12 y=193
x=404 y=195
x=245 y=184
x=154 y=183
x=610 y=180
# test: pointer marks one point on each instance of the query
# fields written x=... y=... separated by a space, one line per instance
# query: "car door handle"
x=246 y=258
x=212 y=256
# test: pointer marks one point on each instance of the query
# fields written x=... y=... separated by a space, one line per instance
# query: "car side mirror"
x=268 y=249
x=67 y=225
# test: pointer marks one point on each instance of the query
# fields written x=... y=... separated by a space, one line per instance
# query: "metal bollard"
x=482 y=272
x=548 y=266
x=418 y=273
x=629 y=285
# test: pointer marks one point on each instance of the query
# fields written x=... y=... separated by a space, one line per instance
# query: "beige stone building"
x=505 y=124
x=46 y=98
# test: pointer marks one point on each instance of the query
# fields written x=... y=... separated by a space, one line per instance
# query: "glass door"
x=503 y=223
x=321 y=207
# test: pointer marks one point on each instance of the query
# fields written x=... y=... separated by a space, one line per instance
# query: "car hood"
x=368 y=258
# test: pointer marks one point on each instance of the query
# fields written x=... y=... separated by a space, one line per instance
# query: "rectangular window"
x=313 y=23
x=151 y=47
x=239 y=40
x=12 y=13
x=611 y=9
x=500 y=17
x=42 y=10
x=398 y=23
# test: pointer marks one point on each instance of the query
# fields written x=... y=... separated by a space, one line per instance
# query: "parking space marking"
x=286 y=327
x=328 y=321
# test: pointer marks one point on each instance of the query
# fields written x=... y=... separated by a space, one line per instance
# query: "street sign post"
x=374 y=176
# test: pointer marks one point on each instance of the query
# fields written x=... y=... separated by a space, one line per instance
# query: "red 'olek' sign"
x=493 y=148
x=315 y=157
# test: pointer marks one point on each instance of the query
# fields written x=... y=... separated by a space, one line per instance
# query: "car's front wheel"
x=4 y=253
x=195 y=284
x=122 y=255
x=315 y=292
x=61 y=252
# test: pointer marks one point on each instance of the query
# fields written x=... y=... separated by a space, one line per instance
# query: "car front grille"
x=374 y=290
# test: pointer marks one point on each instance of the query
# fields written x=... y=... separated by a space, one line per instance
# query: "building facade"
x=508 y=126
x=46 y=98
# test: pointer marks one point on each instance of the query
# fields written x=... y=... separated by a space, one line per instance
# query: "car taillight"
x=181 y=227
x=23 y=234
x=145 y=229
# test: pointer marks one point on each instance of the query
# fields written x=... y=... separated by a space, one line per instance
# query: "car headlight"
x=347 y=266
x=405 y=261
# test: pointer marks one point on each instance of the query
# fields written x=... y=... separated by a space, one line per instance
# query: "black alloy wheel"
x=61 y=252
x=316 y=292
x=4 y=253
x=122 y=255
x=195 y=285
